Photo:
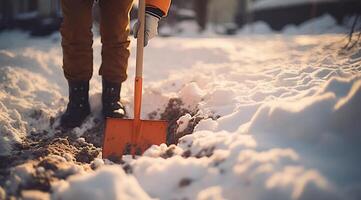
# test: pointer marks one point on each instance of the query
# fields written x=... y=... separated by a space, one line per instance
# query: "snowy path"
x=289 y=108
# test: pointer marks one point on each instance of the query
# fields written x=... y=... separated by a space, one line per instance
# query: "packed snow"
x=281 y=114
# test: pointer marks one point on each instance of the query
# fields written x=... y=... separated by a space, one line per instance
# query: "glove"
x=150 y=28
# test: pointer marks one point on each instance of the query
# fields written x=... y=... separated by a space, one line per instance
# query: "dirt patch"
x=169 y=152
x=40 y=161
x=185 y=182
x=173 y=111
x=87 y=154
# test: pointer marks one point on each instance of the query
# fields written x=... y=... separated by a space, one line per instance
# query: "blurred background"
x=43 y=17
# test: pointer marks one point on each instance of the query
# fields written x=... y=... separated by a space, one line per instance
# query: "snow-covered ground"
x=287 y=107
x=269 y=4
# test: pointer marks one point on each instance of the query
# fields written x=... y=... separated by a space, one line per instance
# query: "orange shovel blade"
x=120 y=138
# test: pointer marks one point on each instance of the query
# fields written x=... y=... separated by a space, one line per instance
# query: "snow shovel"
x=134 y=136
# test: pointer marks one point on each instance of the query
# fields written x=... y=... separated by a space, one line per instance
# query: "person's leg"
x=77 y=39
x=77 y=59
x=114 y=31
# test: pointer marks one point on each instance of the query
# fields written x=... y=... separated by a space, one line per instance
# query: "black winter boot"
x=112 y=107
x=78 y=107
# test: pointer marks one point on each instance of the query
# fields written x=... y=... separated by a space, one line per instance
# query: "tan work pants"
x=77 y=39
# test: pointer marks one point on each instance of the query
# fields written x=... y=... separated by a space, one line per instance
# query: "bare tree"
x=351 y=44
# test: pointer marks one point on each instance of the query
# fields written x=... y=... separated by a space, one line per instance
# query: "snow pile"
x=109 y=183
x=319 y=25
x=270 y=4
x=300 y=149
x=258 y=27
x=27 y=98
x=12 y=129
x=233 y=165
x=323 y=127
x=183 y=122
x=332 y=110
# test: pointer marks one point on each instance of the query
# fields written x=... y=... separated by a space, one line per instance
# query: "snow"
x=285 y=107
x=269 y=4
x=232 y=162
x=326 y=124
x=258 y=27
x=27 y=97
x=110 y=182
x=320 y=25
x=183 y=122
x=191 y=94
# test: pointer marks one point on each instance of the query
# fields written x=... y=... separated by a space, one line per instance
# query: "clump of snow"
x=149 y=170
x=81 y=140
x=109 y=182
x=211 y=193
x=183 y=122
x=191 y=95
x=220 y=99
x=79 y=131
x=163 y=151
x=319 y=25
x=324 y=24
x=96 y=163
x=187 y=28
x=241 y=114
x=12 y=129
x=258 y=27
x=206 y=124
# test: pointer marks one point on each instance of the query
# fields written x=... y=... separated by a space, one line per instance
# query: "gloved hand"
x=150 y=28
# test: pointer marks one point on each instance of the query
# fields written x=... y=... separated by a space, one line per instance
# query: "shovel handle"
x=140 y=39
x=139 y=63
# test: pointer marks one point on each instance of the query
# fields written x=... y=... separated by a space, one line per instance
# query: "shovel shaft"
x=139 y=62
x=140 y=38
x=138 y=84
x=137 y=97
x=137 y=110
